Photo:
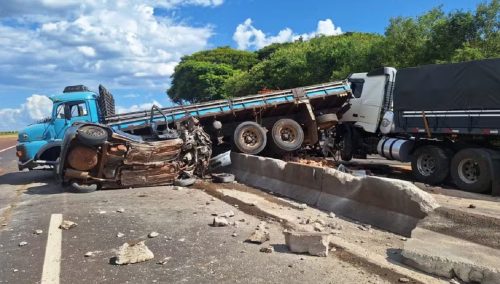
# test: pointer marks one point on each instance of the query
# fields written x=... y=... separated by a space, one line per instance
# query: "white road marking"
x=52 y=261
x=8 y=148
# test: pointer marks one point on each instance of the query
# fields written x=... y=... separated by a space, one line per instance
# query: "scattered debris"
x=365 y=227
x=133 y=253
x=314 y=243
x=101 y=211
x=260 y=235
x=178 y=188
x=220 y=222
x=331 y=215
x=66 y=225
x=472 y=206
x=120 y=210
x=227 y=214
x=318 y=227
x=234 y=234
x=268 y=249
x=403 y=239
x=38 y=232
x=182 y=240
x=404 y=280
x=90 y=253
x=15 y=270
x=212 y=199
x=153 y=234
x=120 y=235
x=302 y=206
x=164 y=260
x=22 y=244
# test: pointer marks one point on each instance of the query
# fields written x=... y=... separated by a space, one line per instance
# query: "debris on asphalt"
x=90 y=253
x=404 y=280
x=234 y=235
x=120 y=210
x=227 y=214
x=472 y=206
x=318 y=227
x=66 y=225
x=220 y=222
x=302 y=206
x=38 y=232
x=331 y=215
x=153 y=234
x=22 y=244
x=260 y=235
x=182 y=240
x=403 y=239
x=268 y=249
x=101 y=212
x=365 y=227
x=313 y=243
x=164 y=260
x=133 y=253
x=120 y=235
x=212 y=199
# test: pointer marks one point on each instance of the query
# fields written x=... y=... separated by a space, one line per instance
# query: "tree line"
x=433 y=37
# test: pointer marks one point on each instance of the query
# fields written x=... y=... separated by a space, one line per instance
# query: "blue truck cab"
x=39 y=144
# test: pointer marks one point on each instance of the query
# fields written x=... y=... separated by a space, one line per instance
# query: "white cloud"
x=138 y=107
x=34 y=108
x=247 y=36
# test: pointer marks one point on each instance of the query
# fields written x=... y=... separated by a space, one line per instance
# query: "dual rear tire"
x=286 y=135
x=469 y=169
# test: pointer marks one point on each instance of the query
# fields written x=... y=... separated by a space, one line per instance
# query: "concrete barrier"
x=389 y=204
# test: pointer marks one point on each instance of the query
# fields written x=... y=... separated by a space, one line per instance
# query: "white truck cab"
x=372 y=97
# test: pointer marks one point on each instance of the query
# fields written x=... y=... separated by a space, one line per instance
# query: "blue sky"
x=132 y=46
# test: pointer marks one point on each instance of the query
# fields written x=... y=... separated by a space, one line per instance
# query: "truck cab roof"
x=73 y=96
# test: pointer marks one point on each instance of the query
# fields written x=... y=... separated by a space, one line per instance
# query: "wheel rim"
x=468 y=171
x=426 y=164
x=250 y=138
x=287 y=134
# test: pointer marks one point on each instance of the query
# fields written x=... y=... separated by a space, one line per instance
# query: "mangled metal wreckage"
x=95 y=155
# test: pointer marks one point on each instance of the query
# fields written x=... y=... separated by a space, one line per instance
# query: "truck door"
x=68 y=113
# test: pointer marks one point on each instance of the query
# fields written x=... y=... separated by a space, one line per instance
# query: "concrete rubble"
x=66 y=225
x=153 y=234
x=268 y=249
x=260 y=235
x=313 y=243
x=38 y=232
x=220 y=222
x=130 y=253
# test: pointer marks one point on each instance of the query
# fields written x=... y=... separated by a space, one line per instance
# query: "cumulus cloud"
x=48 y=44
x=247 y=36
x=137 y=107
x=34 y=108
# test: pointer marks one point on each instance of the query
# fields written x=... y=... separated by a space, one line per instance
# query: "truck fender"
x=48 y=147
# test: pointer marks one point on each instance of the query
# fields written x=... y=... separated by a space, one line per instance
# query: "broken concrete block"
x=38 y=232
x=268 y=249
x=133 y=253
x=66 y=225
x=153 y=235
x=120 y=235
x=220 y=222
x=259 y=236
x=120 y=210
x=22 y=244
x=313 y=243
x=164 y=260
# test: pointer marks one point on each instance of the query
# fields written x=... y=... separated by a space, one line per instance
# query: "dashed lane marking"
x=8 y=148
x=52 y=261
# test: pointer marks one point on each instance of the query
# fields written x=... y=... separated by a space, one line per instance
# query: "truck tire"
x=287 y=135
x=346 y=147
x=470 y=170
x=249 y=138
x=84 y=188
x=430 y=164
x=92 y=135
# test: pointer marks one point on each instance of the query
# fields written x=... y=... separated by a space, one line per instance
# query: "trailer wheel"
x=287 y=135
x=250 y=138
x=430 y=164
x=92 y=135
x=470 y=170
x=346 y=148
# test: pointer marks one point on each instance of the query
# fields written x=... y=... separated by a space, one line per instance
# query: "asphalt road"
x=198 y=252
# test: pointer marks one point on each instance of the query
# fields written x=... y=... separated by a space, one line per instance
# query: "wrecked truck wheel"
x=185 y=181
x=430 y=164
x=287 y=135
x=92 y=135
x=250 y=138
x=222 y=178
x=84 y=188
x=471 y=171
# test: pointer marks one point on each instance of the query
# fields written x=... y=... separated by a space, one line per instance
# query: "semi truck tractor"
x=444 y=119
x=87 y=142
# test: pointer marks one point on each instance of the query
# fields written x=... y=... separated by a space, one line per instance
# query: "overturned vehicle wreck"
x=95 y=156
